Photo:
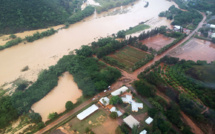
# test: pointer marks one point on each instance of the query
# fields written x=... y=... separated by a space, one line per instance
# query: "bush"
x=53 y=115
x=35 y=117
x=69 y=105
x=113 y=115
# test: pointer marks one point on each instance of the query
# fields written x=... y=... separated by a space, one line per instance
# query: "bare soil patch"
x=195 y=49
x=157 y=42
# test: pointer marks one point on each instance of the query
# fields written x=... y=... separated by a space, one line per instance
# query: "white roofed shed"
x=87 y=112
x=104 y=101
x=119 y=91
x=149 y=120
x=131 y=121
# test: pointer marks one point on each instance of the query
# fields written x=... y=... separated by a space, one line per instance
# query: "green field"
x=137 y=28
x=128 y=56
x=93 y=120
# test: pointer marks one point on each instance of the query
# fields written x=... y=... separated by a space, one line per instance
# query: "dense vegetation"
x=22 y=15
x=182 y=18
x=203 y=5
x=183 y=87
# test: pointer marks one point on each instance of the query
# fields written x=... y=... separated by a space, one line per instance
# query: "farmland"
x=128 y=56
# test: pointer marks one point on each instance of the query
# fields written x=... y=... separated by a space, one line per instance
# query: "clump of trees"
x=38 y=35
x=106 y=46
x=11 y=43
x=89 y=10
x=69 y=105
x=182 y=18
x=114 y=100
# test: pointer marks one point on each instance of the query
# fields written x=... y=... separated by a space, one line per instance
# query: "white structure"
x=212 y=26
x=213 y=35
x=104 y=101
x=119 y=91
x=177 y=27
x=149 y=120
x=143 y=132
x=134 y=105
x=87 y=112
x=131 y=121
x=113 y=109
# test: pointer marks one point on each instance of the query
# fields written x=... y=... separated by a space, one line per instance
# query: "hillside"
x=20 y=15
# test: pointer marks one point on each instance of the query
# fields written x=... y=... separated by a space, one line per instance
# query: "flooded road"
x=54 y=101
x=195 y=49
x=47 y=51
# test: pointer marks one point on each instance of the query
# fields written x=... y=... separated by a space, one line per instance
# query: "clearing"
x=195 y=50
x=157 y=42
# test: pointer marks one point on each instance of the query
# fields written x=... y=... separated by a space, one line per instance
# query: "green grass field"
x=137 y=28
x=129 y=56
x=93 y=120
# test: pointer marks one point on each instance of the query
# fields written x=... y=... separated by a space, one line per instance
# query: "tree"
x=115 y=100
x=213 y=40
x=152 y=112
x=113 y=115
x=144 y=88
x=135 y=130
x=84 y=51
x=35 y=117
x=121 y=34
x=52 y=115
x=69 y=105
x=118 y=130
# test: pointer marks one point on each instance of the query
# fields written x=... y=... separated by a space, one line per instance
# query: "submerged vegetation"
x=106 y=5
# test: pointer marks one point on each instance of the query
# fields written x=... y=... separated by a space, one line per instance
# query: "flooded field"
x=45 y=52
x=195 y=49
x=157 y=42
x=54 y=101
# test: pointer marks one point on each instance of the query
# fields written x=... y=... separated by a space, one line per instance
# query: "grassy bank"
x=137 y=28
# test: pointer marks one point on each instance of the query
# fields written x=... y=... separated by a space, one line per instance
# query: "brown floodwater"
x=45 y=52
x=195 y=49
x=54 y=101
x=157 y=42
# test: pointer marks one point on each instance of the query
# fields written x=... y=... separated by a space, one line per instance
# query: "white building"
x=143 y=132
x=212 y=26
x=87 y=112
x=105 y=101
x=134 y=105
x=119 y=91
x=149 y=120
x=113 y=109
x=213 y=35
x=131 y=121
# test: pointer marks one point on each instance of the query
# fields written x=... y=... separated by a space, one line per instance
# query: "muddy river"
x=54 y=101
x=47 y=51
x=195 y=49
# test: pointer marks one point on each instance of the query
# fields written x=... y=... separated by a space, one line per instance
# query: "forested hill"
x=19 y=15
